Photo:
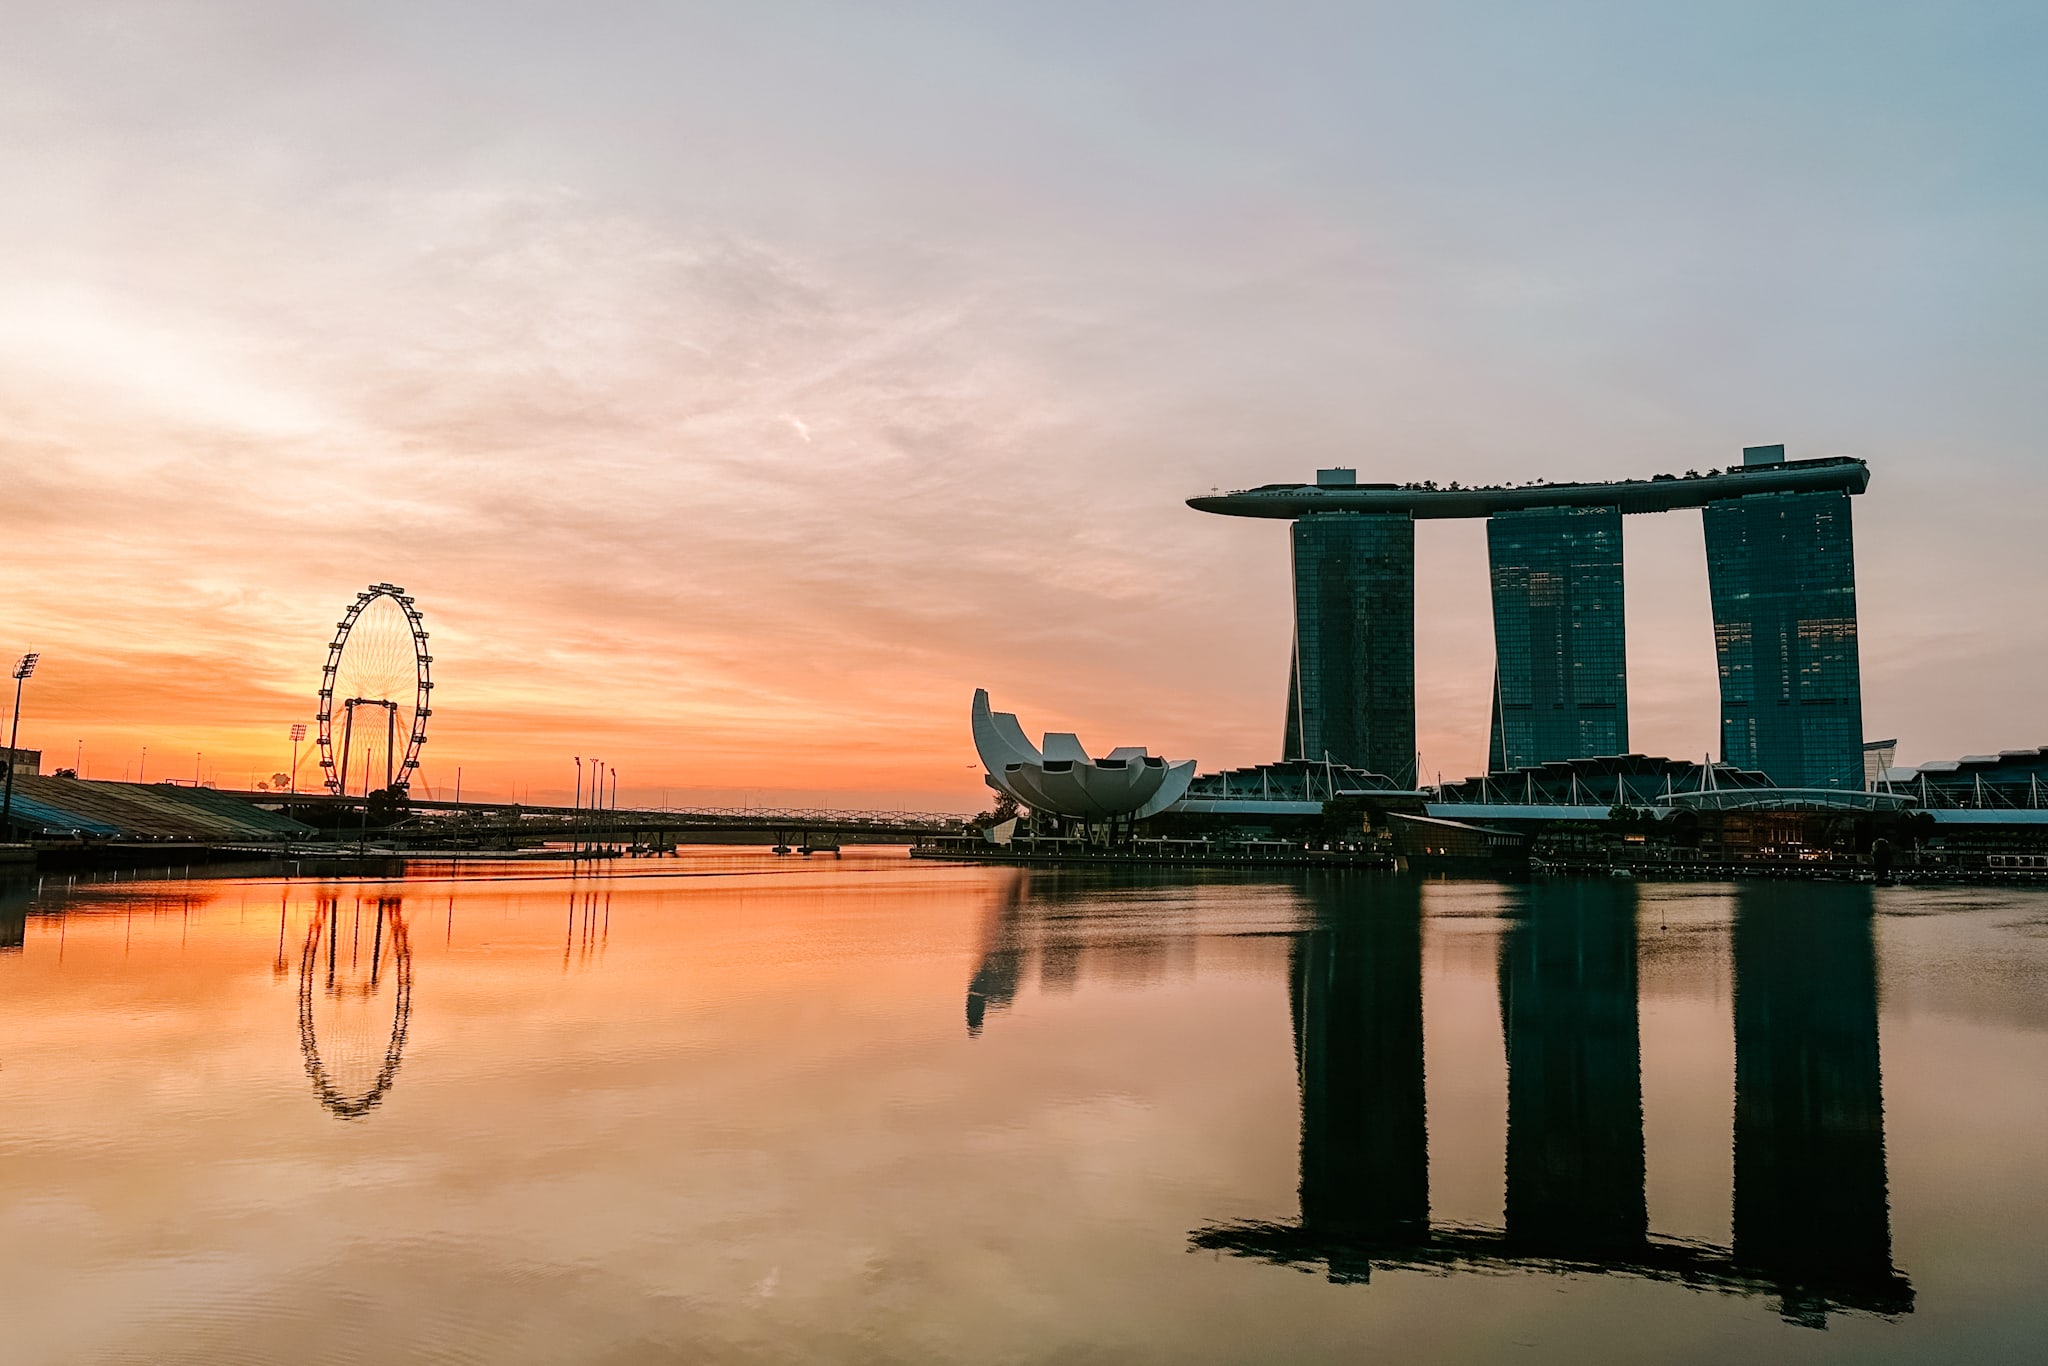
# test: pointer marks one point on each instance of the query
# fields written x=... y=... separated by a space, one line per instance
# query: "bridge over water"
x=429 y=822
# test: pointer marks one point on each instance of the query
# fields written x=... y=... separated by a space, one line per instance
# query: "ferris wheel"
x=375 y=693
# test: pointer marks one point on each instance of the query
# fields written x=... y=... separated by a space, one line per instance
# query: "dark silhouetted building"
x=1782 y=570
x=1353 y=687
x=1560 y=649
x=1781 y=564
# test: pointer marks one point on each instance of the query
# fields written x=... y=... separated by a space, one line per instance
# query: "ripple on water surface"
x=737 y=1107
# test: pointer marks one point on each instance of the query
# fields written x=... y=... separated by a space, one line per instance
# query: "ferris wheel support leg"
x=348 y=728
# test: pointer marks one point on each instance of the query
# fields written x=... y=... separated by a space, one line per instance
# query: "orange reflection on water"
x=733 y=1106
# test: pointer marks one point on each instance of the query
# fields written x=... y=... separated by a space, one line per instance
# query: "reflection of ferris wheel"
x=377 y=684
x=341 y=1003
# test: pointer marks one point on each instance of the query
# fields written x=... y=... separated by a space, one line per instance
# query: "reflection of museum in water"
x=1811 y=1220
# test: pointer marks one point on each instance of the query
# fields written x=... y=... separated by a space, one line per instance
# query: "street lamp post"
x=21 y=675
x=298 y=734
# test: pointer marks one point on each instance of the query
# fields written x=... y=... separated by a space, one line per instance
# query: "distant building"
x=1291 y=787
x=26 y=761
x=1560 y=649
x=2014 y=778
x=1781 y=568
x=1641 y=780
x=1878 y=758
x=1781 y=565
x=1058 y=778
x=1353 y=692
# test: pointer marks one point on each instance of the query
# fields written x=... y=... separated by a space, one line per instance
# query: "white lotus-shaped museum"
x=1061 y=780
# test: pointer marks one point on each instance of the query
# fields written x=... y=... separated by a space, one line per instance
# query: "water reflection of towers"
x=1356 y=989
x=1811 y=1219
x=1575 y=1091
x=1810 y=1193
x=355 y=1001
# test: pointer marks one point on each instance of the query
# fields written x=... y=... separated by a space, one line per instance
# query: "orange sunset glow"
x=734 y=428
x=1160 y=683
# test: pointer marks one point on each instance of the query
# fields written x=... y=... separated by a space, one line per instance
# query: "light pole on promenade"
x=298 y=734
x=21 y=676
x=574 y=843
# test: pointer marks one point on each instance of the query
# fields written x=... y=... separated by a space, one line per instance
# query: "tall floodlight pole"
x=142 y=767
x=21 y=675
x=298 y=734
x=574 y=843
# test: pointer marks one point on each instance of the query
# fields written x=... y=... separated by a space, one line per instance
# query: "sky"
x=738 y=387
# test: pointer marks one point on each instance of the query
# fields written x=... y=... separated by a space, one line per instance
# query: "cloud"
x=746 y=427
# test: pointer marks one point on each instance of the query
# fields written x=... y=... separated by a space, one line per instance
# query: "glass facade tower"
x=1560 y=649
x=1781 y=566
x=1782 y=570
x=1353 y=686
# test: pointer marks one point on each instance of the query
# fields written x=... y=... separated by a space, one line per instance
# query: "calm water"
x=736 y=1108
